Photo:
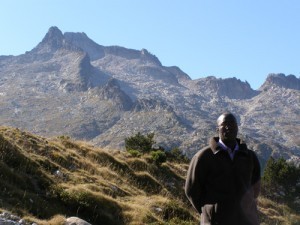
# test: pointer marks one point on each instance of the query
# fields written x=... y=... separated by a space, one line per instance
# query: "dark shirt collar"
x=227 y=149
x=213 y=143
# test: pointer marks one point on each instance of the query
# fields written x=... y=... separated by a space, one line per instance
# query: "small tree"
x=140 y=142
x=280 y=175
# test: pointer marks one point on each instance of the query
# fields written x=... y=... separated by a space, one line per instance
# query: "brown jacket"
x=222 y=190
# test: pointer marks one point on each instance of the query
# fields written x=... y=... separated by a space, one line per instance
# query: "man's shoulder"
x=204 y=152
x=244 y=147
x=249 y=152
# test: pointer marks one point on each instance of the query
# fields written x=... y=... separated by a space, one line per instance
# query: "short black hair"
x=226 y=114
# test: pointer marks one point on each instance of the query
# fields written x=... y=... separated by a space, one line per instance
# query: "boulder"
x=75 y=221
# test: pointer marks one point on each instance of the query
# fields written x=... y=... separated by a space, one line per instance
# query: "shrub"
x=158 y=157
x=140 y=142
x=134 y=153
x=280 y=173
x=281 y=180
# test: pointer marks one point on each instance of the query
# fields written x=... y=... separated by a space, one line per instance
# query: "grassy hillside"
x=46 y=180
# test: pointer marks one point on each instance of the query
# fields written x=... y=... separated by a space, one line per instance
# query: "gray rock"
x=7 y=218
x=281 y=80
x=75 y=221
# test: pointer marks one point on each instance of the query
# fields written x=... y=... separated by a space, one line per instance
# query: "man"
x=223 y=179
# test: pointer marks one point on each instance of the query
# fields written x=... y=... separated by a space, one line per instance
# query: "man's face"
x=227 y=127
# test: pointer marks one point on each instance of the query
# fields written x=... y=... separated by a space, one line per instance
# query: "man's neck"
x=230 y=144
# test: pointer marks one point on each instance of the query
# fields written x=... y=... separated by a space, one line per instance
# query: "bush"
x=140 y=142
x=280 y=173
x=134 y=153
x=281 y=180
x=158 y=157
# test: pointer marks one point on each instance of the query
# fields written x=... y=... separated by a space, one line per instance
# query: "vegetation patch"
x=47 y=180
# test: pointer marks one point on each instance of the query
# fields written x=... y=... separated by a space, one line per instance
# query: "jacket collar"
x=213 y=143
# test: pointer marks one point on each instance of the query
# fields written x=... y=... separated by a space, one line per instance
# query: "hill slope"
x=47 y=177
x=42 y=178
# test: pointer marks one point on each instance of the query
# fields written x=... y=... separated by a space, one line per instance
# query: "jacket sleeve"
x=195 y=182
x=256 y=176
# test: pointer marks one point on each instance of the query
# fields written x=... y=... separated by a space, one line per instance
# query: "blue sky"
x=247 y=39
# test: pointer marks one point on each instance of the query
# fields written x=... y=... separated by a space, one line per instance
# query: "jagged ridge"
x=64 y=86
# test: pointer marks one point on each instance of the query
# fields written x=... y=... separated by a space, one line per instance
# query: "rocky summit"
x=70 y=85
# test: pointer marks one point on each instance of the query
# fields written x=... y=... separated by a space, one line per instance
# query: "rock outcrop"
x=76 y=221
x=7 y=218
x=282 y=81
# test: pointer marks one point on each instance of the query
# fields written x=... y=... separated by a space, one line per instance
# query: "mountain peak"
x=54 y=38
x=281 y=80
x=82 y=41
x=54 y=31
x=231 y=87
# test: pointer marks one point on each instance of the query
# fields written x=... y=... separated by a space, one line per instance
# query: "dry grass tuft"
x=276 y=213
x=55 y=220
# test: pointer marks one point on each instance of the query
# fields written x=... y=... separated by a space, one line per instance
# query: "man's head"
x=227 y=127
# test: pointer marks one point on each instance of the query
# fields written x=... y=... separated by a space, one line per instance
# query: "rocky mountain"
x=70 y=85
x=280 y=80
